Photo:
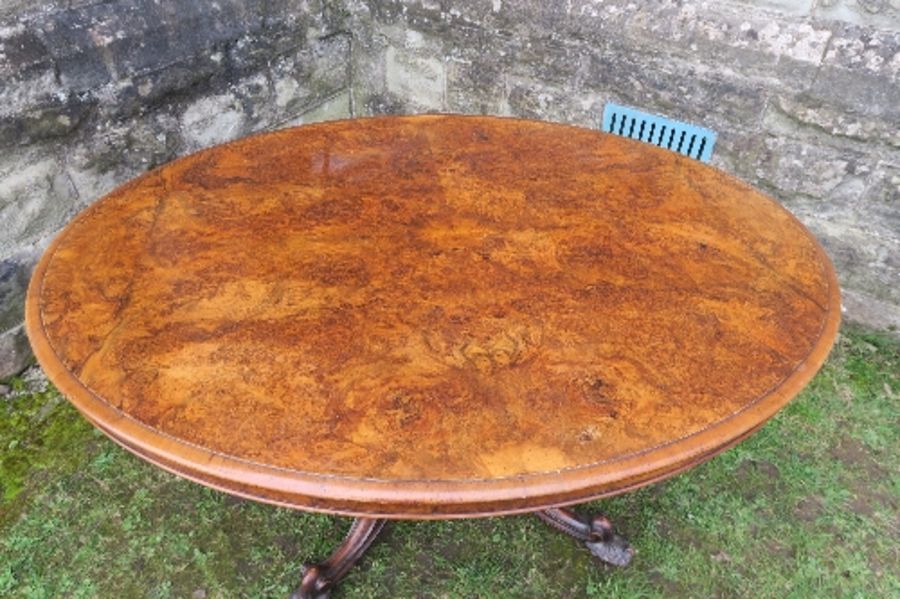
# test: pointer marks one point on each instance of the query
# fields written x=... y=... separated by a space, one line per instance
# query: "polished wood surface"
x=432 y=316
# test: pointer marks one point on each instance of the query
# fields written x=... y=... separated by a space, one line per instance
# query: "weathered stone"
x=849 y=247
x=170 y=85
x=531 y=99
x=212 y=120
x=823 y=116
x=383 y=103
x=795 y=160
x=36 y=198
x=17 y=97
x=749 y=44
x=15 y=352
x=23 y=8
x=113 y=153
x=97 y=43
x=884 y=14
x=860 y=48
x=337 y=107
x=254 y=94
x=860 y=74
x=785 y=7
x=248 y=53
x=870 y=311
x=52 y=117
x=421 y=81
x=478 y=87
x=853 y=91
x=859 y=224
x=21 y=52
x=795 y=167
x=14 y=274
x=883 y=194
x=303 y=78
x=717 y=99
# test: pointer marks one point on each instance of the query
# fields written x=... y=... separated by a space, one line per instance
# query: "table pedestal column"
x=319 y=579
x=597 y=534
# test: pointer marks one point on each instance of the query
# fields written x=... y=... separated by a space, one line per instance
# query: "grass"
x=808 y=507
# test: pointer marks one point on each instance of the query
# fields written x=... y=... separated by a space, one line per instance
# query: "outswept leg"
x=319 y=579
x=597 y=534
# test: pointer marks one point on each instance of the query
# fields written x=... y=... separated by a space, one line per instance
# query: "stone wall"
x=805 y=96
x=94 y=92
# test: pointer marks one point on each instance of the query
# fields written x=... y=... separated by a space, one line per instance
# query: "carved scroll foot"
x=597 y=534
x=319 y=579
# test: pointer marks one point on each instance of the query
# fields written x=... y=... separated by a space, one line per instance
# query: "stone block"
x=550 y=61
x=107 y=41
x=21 y=52
x=678 y=89
x=853 y=92
x=797 y=167
x=731 y=39
x=883 y=194
x=477 y=87
x=15 y=272
x=19 y=96
x=860 y=74
x=795 y=8
x=167 y=86
x=336 y=107
x=870 y=311
x=212 y=120
x=50 y=117
x=793 y=158
x=80 y=61
x=591 y=23
x=36 y=198
x=304 y=77
x=883 y=14
x=858 y=222
x=384 y=103
x=863 y=264
x=819 y=116
x=117 y=152
x=532 y=99
x=861 y=48
x=419 y=81
x=15 y=352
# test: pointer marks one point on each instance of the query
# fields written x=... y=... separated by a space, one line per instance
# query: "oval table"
x=432 y=317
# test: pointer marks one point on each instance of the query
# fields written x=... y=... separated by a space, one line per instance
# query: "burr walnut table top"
x=432 y=316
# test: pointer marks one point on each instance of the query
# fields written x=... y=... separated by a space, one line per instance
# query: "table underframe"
x=596 y=532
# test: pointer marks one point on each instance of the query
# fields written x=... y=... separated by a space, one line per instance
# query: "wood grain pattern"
x=432 y=316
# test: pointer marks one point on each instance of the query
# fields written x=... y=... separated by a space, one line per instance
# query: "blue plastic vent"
x=684 y=138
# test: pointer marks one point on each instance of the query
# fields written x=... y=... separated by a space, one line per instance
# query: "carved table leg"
x=597 y=534
x=319 y=579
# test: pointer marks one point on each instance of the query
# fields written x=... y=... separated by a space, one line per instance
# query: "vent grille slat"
x=684 y=138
